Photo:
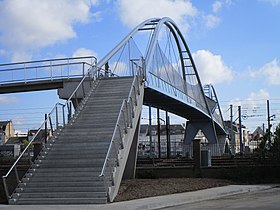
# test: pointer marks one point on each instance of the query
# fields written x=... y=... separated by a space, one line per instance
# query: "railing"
x=209 y=91
x=124 y=122
x=215 y=149
x=170 y=89
x=58 y=118
x=45 y=69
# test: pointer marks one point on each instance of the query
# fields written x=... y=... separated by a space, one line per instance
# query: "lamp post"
x=269 y=118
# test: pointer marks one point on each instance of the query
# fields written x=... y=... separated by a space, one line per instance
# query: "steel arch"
x=183 y=50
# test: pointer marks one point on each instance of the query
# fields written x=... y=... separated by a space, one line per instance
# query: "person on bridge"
x=106 y=69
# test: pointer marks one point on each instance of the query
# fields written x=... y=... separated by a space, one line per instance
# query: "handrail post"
x=16 y=173
x=116 y=152
x=69 y=111
x=76 y=99
x=83 y=69
x=125 y=128
x=56 y=116
x=120 y=132
x=46 y=128
x=63 y=115
x=135 y=95
x=6 y=188
x=143 y=70
x=50 y=120
x=127 y=113
x=29 y=156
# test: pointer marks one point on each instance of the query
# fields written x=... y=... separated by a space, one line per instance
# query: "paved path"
x=263 y=199
x=174 y=201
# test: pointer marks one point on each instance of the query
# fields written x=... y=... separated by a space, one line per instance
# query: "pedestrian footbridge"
x=95 y=132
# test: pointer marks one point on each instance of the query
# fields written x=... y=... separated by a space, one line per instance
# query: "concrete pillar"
x=197 y=157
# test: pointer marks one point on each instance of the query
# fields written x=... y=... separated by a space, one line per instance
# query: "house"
x=256 y=138
x=41 y=136
x=235 y=141
x=6 y=131
x=176 y=135
x=149 y=141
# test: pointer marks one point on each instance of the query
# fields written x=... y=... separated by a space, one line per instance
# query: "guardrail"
x=162 y=85
x=58 y=118
x=51 y=69
x=124 y=122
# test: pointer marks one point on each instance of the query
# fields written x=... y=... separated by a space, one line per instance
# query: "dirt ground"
x=142 y=188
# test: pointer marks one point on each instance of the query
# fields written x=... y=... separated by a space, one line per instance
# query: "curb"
x=155 y=203
x=172 y=200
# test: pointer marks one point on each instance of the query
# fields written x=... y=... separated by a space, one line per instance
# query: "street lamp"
x=269 y=118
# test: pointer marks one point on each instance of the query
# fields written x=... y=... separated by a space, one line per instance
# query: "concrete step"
x=64 y=170
x=73 y=152
x=60 y=189
x=67 y=171
x=85 y=129
x=64 y=195
x=74 y=141
x=93 y=124
x=90 y=156
x=54 y=173
x=57 y=201
x=93 y=147
x=42 y=179
x=69 y=165
x=34 y=184
x=69 y=161
x=68 y=140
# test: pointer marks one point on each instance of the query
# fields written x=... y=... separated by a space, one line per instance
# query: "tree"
x=275 y=145
x=270 y=149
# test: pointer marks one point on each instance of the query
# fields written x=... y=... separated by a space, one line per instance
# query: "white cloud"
x=211 y=21
x=8 y=99
x=216 y=6
x=28 y=25
x=84 y=52
x=133 y=13
x=270 y=71
x=255 y=96
x=211 y=68
x=253 y=104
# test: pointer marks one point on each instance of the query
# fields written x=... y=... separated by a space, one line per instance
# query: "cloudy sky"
x=235 y=44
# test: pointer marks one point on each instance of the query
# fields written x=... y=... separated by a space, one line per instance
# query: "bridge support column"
x=192 y=128
x=197 y=157
x=130 y=168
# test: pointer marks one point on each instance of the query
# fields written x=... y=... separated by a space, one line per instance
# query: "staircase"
x=67 y=170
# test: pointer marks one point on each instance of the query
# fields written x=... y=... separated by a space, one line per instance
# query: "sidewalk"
x=153 y=202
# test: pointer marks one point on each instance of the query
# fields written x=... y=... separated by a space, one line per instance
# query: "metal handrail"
x=24 y=151
x=44 y=66
x=42 y=125
x=21 y=70
x=177 y=89
x=124 y=122
x=47 y=60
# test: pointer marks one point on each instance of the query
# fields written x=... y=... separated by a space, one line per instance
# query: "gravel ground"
x=142 y=188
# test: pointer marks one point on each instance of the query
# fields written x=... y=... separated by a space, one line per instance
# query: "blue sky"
x=235 y=44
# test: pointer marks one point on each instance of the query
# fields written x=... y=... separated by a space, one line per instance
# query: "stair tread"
x=67 y=170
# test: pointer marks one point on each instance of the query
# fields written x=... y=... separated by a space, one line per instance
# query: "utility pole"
x=231 y=130
x=240 y=128
x=268 y=120
x=150 y=133
x=167 y=135
x=158 y=131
